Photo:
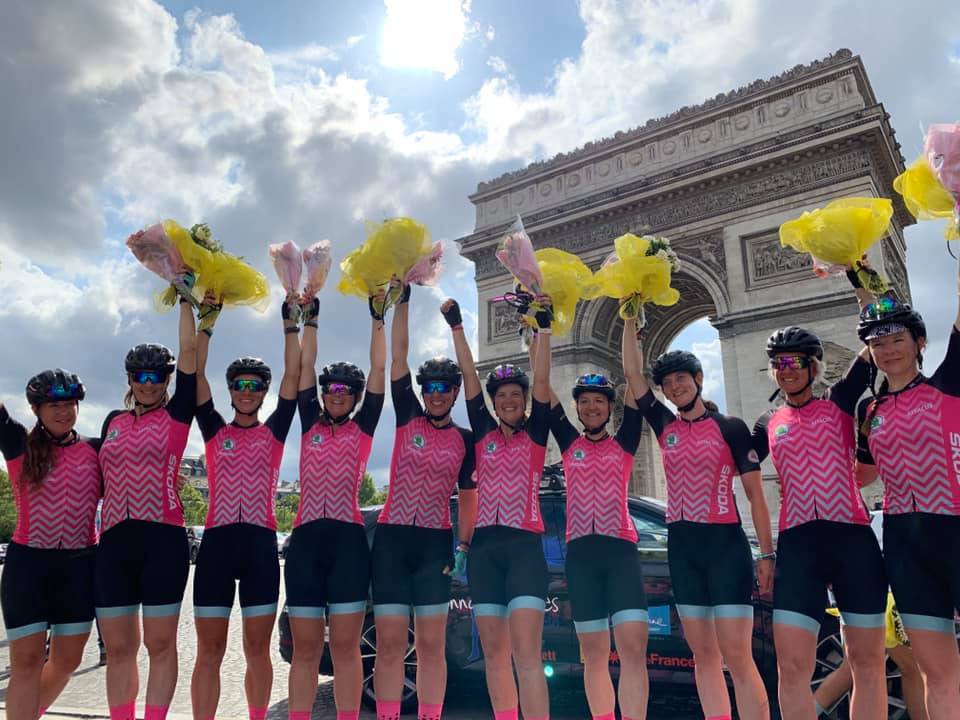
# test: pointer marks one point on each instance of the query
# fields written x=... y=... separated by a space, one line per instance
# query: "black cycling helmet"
x=439 y=368
x=595 y=382
x=796 y=340
x=53 y=386
x=675 y=361
x=887 y=316
x=249 y=366
x=345 y=373
x=150 y=356
x=506 y=374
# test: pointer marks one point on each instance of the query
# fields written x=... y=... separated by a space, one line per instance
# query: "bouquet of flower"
x=515 y=253
x=317 y=260
x=564 y=279
x=839 y=234
x=288 y=265
x=640 y=270
x=157 y=252
x=426 y=270
x=931 y=185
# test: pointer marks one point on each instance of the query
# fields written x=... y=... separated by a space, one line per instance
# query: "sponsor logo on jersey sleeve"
x=579 y=454
x=113 y=434
x=673 y=440
x=876 y=422
x=781 y=430
x=753 y=457
x=317 y=439
x=419 y=441
x=491 y=447
x=229 y=444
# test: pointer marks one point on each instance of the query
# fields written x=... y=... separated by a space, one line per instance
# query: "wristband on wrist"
x=208 y=332
x=768 y=556
x=463 y=545
x=545 y=331
x=454 y=328
x=291 y=330
x=310 y=323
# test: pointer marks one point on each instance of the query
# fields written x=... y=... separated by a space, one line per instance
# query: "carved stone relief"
x=769 y=263
x=502 y=322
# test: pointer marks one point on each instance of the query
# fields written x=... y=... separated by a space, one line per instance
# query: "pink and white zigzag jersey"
x=60 y=512
x=700 y=459
x=140 y=458
x=427 y=463
x=814 y=448
x=914 y=440
x=243 y=465
x=509 y=469
x=597 y=475
x=333 y=459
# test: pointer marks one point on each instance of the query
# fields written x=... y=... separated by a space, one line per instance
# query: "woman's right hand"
x=451 y=312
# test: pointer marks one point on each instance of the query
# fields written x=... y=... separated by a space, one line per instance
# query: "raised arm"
x=400 y=338
x=310 y=309
x=291 y=353
x=633 y=361
x=377 y=381
x=187 y=359
x=542 y=360
x=203 y=384
x=471 y=381
x=532 y=351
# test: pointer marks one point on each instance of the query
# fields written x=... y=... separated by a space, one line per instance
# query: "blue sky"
x=292 y=120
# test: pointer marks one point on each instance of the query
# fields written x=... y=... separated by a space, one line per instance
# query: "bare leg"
x=631 y=639
x=431 y=634
x=736 y=644
x=258 y=679
x=796 y=659
x=307 y=650
x=939 y=662
x=345 y=652
x=27 y=657
x=526 y=643
x=160 y=639
x=495 y=640
x=595 y=648
x=392 y=643
x=868 y=664
x=66 y=653
x=701 y=635
x=205 y=683
x=121 y=638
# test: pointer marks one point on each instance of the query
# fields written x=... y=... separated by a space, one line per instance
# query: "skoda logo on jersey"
x=418 y=441
x=876 y=422
x=228 y=444
x=781 y=430
x=317 y=439
x=491 y=448
x=672 y=440
x=113 y=434
x=579 y=454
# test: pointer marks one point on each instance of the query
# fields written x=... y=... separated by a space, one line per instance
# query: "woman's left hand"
x=765 y=575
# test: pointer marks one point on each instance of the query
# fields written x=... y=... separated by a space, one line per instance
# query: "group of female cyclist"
x=58 y=578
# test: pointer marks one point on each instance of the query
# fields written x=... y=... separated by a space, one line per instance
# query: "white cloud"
x=424 y=34
x=498 y=64
x=354 y=40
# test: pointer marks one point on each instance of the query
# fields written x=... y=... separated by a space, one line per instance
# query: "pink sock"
x=299 y=714
x=427 y=711
x=122 y=712
x=545 y=717
x=608 y=716
x=256 y=713
x=388 y=710
x=719 y=717
x=155 y=712
x=511 y=714
x=348 y=714
x=41 y=711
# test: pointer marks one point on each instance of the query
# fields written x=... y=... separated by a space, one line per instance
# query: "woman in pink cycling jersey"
x=48 y=574
x=910 y=437
x=240 y=543
x=702 y=451
x=603 y=565
x=327 y=571
x=143 y=558
x=507 y=568
x=432 y=456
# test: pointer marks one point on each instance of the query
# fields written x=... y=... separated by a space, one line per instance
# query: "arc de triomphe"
x=718 y=179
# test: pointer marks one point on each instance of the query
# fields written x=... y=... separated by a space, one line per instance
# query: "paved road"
x=85 y=694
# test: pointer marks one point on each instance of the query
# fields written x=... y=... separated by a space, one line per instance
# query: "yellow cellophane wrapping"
x=925 y=197
x=564 y=279
x=840 y=233
x=630 y=273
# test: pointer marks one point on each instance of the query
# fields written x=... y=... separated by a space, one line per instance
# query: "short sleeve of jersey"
x=561 y=427
x=369 y=413
x=467 y=479
x=209 y=420
x=737 y=436
x=308 y=403
x=184 y=401
x=848 y=389
x=655 y=412
x=947 y=377
x=863 y=448
x=405 y=403
x=13 y=436
x=761 y=443
x=280 y=419
x=628 y=434
x=481 y=421
x=538 y=424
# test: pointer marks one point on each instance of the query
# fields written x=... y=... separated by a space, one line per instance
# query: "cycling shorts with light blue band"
x=922 y=552
x=605 y=582
x=327 y=571
x=845 y=556
x=711 y=569
x=507 y=571
x=43 y=589
x=231 y=554
x=140 y=562
x=408 y=563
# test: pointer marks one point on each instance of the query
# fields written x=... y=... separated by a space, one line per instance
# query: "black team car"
x=669 y=659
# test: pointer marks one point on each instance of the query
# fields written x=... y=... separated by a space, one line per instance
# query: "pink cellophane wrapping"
x=317 y=260
x=156 y=252
x=516 y=254
x=941 y=147
x=288 y=264
x=427 y=269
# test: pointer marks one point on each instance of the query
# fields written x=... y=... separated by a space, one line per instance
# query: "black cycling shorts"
x=711 y=569
x=142 y=562
x=506 y=571
x=44 y=588
x=327 y=568
x=822 y=553
x=604 y=580
x=922 y=553
x=408 y=563
x=239 y=552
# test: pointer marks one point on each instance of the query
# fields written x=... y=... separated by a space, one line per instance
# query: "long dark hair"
x=38 y=458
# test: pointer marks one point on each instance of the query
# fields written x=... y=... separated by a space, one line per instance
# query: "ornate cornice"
x=683 y=115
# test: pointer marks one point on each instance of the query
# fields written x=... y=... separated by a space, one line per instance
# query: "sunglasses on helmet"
x=62 y=391
x=246 y=385
x=148 y=376
x=337 y=389
x=880 y=309
x=790 y=362
x=593 y=380
x=505 y=372
x=437 y=386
